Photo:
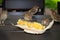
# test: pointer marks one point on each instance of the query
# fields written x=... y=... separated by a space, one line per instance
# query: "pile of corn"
x=35 y=25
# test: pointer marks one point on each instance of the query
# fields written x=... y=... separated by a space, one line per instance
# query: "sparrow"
x=28 y=14
x=3 y=17
x=53 y=14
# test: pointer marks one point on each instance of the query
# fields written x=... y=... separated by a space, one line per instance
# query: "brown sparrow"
x=54 y=14
x=28 y=14
x=3 y=16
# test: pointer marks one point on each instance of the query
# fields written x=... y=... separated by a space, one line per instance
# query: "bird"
x=53 y=14
x=28 y=14
x=3 y=17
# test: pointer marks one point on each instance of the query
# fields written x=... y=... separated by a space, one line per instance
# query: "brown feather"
x=28 y=14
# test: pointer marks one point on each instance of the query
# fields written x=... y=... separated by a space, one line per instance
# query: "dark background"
x=58 y=6
x=23 y=5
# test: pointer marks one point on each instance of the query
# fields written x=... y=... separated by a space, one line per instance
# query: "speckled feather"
x=54 y=15
x=28 y=14
x=3 y=15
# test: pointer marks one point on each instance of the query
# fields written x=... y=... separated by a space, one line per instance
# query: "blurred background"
x=48 y=3
x=52 y=4
x=1 y=2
